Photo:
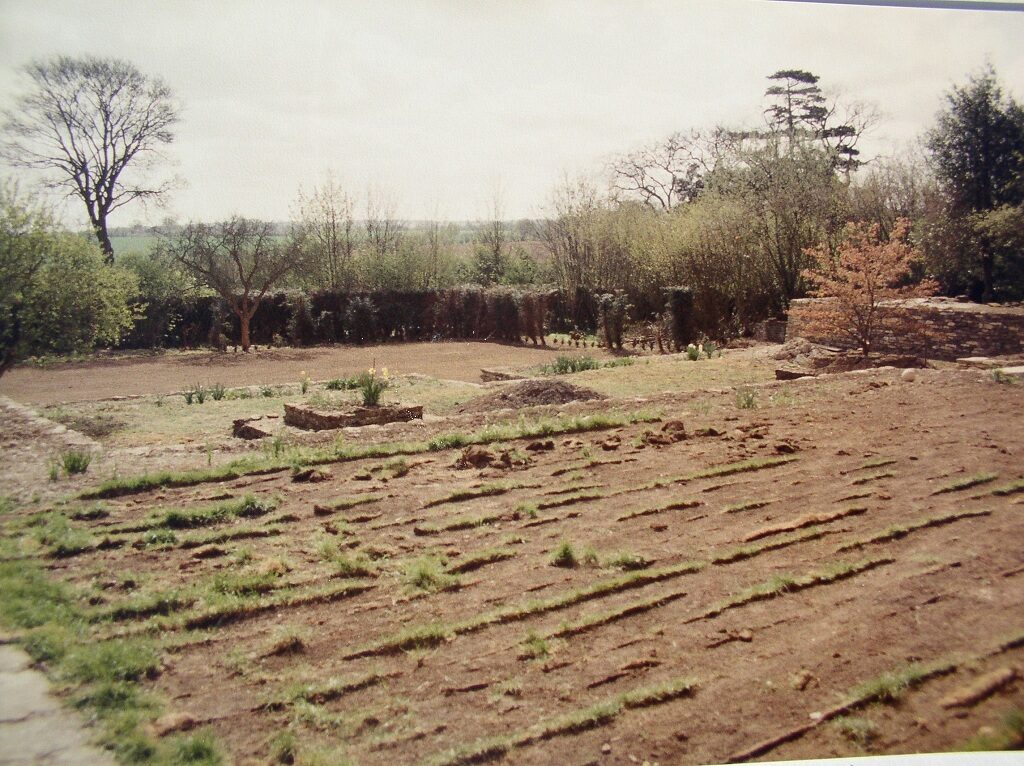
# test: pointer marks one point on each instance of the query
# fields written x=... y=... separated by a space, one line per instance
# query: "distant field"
x=135 y=243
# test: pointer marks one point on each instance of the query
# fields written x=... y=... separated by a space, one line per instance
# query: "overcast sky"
x=438 y=103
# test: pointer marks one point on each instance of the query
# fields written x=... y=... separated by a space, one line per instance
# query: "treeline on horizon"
x=729 y=214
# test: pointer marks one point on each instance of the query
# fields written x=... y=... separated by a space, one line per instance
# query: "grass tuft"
x=564 y=556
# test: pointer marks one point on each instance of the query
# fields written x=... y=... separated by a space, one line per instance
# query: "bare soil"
x=102 y=378
x=530 y=393
x=802 y=586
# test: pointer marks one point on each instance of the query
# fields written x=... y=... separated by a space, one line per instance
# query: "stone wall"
x=949 y=328
x=310 y=419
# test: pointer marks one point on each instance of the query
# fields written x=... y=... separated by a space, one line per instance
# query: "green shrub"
x=217 y=391
x=342 y=384
x=301 y=329
x=196 y=393
x=564 y=365
x=564 y=556
x=76 y=461
x=361 y=320
x=372 y=384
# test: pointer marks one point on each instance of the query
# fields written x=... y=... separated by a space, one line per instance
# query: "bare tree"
x=86 y=121
x=240 y=260
x=325 y=216
x=661 y=174
x=383 y=228
x=494 y=236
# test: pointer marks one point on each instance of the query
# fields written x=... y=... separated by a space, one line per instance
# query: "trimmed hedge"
x=299 y=318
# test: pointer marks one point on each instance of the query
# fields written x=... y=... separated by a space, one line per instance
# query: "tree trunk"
x=100 y=227
x=243 y=322
x=986 y=276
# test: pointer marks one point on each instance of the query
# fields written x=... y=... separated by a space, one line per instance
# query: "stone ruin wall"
x=952 y=329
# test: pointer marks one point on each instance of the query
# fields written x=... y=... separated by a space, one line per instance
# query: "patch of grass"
x=749 y=551
x=966 y=483
x=243 y=585
x=529 y=510
x=564 y=556
x=334 y=688
x=96 y=426
x=480 y=559
x=140 y=607
x=627 y=561
x=98 y=511
x=1008 y=734
x=102 y=676
x=897 y=531
x=860 y=731
x=725 y=469
x=565 y=365
x=341 y=453
x=396 y=468
x=813 y=519
x=746 y=398
x=891 y=685
x=75 y=461
x=535 y=647
x=1009 y=489
x=428 y=574
x=749 y=505
x=487 y=490
x=513 y=687
x=342 y=384
x=585 y=719
x=673 y=506
x=233 y=610
x=570 y=499
x=354 y=566
x=62 y=539
x=344 y=503
x=590 y=621
x=286 y=640
x=466 y=522
x=439 y=632
x=284 y=747
x=199 y=749
x=779 y=584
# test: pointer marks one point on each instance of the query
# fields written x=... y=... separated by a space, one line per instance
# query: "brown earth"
x=530 y=393
x=770 y=627
x=102 y=378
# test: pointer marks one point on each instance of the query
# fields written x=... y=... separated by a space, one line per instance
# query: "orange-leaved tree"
x=865 y=271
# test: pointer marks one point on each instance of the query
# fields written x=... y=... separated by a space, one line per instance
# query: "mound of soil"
x=530 y=393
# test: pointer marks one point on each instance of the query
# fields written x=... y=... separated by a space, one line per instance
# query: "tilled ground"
x=732 y=589
x=101 y=378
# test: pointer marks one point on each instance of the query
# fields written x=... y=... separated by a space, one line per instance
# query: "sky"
x=440 y=106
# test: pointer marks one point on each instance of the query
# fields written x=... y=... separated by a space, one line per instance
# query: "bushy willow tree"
x=57 y=293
